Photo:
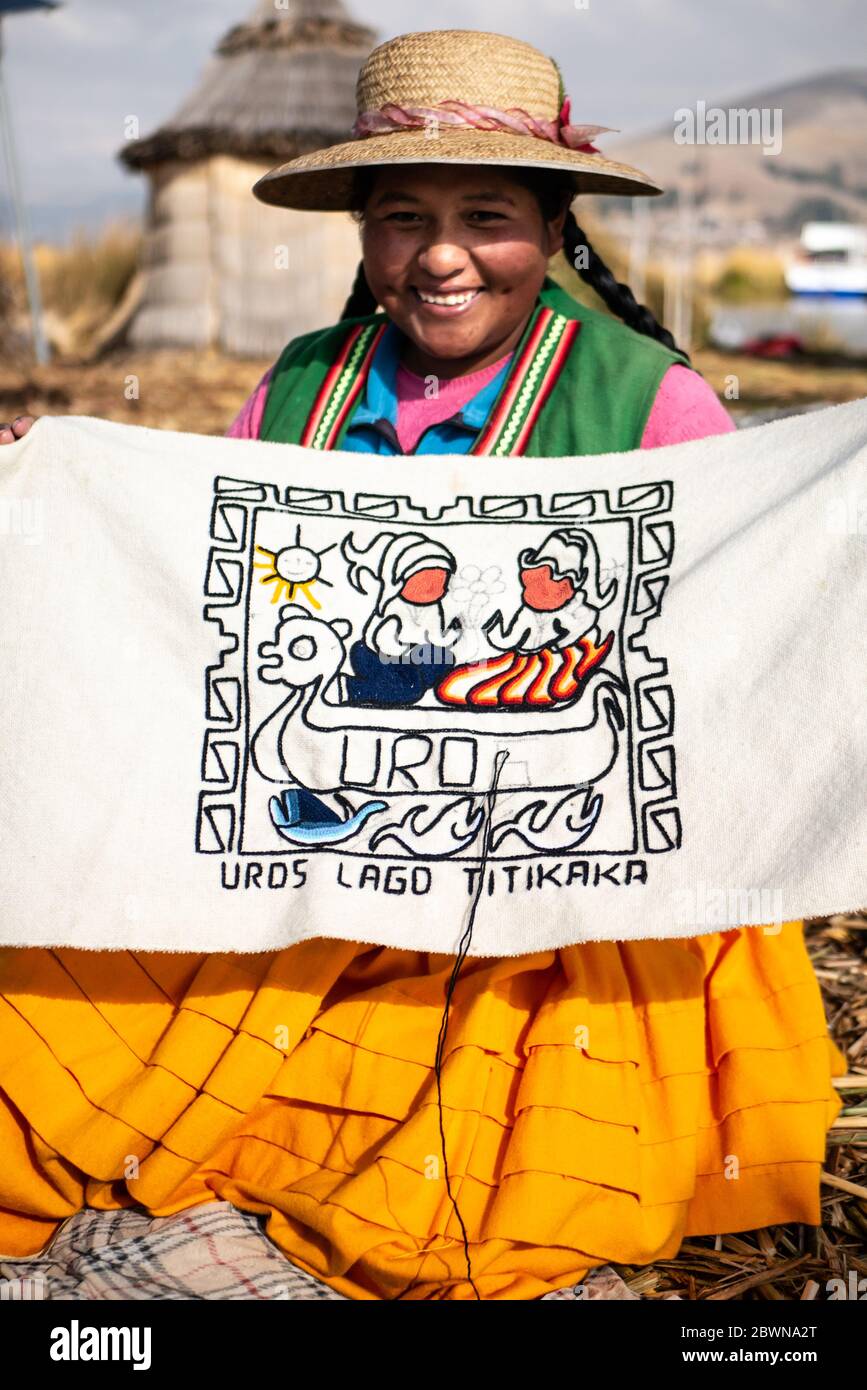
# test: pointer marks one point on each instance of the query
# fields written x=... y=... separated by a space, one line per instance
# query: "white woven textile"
x=253 y=693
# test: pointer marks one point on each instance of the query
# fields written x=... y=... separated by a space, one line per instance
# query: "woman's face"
x=468 y=231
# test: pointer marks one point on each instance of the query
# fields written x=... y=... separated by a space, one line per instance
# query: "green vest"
x=580 y=382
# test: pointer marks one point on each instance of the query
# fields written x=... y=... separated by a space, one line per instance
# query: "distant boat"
x=831 y=260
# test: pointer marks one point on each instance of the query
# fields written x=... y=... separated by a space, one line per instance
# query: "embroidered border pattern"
x=540 y=364
x=651 y=703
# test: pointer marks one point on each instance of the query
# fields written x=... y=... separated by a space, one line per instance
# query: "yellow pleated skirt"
x=599 y=1103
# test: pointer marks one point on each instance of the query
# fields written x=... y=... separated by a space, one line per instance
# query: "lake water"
x=825 y=322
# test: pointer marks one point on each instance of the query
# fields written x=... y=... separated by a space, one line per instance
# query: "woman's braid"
x=613 y=293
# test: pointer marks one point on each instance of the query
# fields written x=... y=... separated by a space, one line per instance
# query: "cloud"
x=76 y=72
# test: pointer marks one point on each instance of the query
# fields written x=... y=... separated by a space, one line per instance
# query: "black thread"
x=463 y=948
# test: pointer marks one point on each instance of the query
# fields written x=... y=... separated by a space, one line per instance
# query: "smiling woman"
x=418 y=1125
x=456 y=257
x=477 y=349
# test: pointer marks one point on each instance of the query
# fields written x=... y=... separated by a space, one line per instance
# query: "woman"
x=594 y=1103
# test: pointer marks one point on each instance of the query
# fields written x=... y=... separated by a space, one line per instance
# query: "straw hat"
x=453 y=96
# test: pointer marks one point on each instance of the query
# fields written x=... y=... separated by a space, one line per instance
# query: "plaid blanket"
x=209 y=1251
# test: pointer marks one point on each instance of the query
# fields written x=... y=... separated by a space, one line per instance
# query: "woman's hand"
x=20 y=425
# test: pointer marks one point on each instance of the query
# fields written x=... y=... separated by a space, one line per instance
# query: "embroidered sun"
x=293 y=569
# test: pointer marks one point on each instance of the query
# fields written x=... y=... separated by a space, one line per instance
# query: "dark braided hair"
x=554 y=190
x=360 y=302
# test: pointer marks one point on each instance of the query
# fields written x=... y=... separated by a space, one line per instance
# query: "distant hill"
x=820 y=172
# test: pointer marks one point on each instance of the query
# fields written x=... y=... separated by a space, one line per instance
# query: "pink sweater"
x=415 y=411
x=685 y=407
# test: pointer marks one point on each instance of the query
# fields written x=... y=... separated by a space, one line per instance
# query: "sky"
x=73 y=75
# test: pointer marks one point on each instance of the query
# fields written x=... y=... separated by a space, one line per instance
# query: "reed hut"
x=219 y=267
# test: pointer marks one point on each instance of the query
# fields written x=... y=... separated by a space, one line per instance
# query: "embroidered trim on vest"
x=344 y=380
x=533 y=377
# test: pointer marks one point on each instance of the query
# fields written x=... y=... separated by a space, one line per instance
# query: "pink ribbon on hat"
x=460 y=113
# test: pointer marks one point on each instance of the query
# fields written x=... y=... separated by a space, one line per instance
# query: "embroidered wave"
x=434 y=833
x=552 y=829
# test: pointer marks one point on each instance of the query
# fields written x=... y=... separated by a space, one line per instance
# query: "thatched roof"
x=281 y=83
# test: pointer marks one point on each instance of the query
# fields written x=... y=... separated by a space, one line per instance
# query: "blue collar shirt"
x=373 y=426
